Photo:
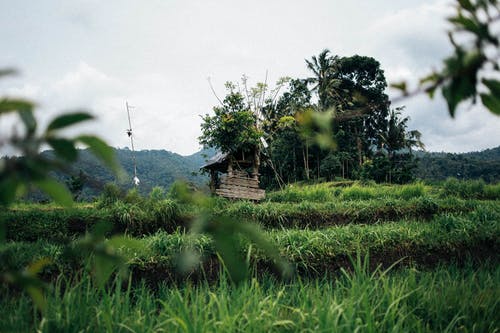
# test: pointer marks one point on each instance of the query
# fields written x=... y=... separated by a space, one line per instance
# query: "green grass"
x=313 y=206
x=319 y=214
x=447 y=237
x=446 y=299
x=445 y=241
x=471 y=189
x=331 y=192
x=56 y=224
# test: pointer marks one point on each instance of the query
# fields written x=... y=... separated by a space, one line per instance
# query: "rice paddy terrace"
x=375 y=258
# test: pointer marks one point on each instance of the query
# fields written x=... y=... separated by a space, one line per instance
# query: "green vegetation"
x=474 y=165
x=441 y=253
x=161 y=168
x=446 y=299
x=313 y=206
x=155 y=168
x=472 y=189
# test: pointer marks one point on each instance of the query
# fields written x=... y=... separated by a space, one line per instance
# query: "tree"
x=396 y=136
x=394 y=161
x=354 y=88
x=322 y=67
x=283 y=131
x=233 y=125
x=75 y=184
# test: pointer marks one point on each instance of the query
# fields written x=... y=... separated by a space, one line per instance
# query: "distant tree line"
x=475 y=165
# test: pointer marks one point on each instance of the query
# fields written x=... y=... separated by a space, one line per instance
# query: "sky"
x=157 y=55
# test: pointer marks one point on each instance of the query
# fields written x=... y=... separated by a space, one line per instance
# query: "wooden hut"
x=235 y=175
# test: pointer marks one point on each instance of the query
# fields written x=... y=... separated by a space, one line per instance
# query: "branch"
x=213 y=91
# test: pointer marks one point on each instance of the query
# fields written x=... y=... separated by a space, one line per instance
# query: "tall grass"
x=294 y=193
x=443 y=300
x=447 y=237
x=330 y=192
x=471 y=189
x=307 y=214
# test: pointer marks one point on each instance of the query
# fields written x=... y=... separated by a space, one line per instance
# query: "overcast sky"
x=157 y=55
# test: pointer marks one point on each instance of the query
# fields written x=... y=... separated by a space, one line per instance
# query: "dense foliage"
x=233 y=125
x=363 y=130
x=474 y=165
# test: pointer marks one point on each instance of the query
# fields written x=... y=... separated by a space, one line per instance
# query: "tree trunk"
x=294 y=166
x=305 y=154
x=360 y=155
x=256 y=164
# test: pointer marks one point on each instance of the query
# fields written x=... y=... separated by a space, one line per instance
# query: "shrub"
x=469 y=189
x=427 y=206
x=157 y=193
x=110 y=194
x=411 y=191
x=134 y=197
x=492 y=192
x=165 y=211
x=148 y=217
x=358 y=193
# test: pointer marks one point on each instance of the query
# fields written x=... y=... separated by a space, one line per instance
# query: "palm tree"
x=396 y=136
x=323 y=66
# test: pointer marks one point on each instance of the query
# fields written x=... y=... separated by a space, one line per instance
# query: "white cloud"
x=158 y=56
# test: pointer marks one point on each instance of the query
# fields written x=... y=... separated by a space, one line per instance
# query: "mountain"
x=473 y=165
x=154 y=168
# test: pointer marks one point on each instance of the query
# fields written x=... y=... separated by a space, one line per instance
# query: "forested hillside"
x=473 y=165
x=154 y=168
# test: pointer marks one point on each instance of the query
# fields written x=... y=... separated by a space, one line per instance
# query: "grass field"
x=411 y=258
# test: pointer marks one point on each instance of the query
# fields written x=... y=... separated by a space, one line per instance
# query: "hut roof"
x=215 y=160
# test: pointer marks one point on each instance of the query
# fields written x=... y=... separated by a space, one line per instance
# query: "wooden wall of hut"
x=239 y=185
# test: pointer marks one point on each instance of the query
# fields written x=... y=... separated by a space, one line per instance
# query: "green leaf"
x=3 y=231
x=15 y=105
x=493 y=85
x=104 y=266
x=466 y=24
x=58 y=192
x=68 y=119
x=36 y=293
x=253 y=233
x=100 y=149
x=491 y=102
x=29 y=120
x=228 y=246
x=466 y=4
x=8 y=190
x=25 y=110
x=64 y=148
x=400 y=86
x=35 y=267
